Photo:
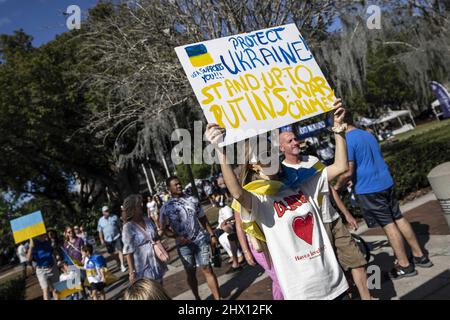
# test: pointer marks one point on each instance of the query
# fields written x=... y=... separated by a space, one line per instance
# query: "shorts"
x=114 y=246
x=223 y=191
x=98 y=286
x=347 y=251
x=47 y=276
x=194 y=254
x=379 y=208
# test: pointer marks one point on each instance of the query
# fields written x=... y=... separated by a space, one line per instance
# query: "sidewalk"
x=433 y=233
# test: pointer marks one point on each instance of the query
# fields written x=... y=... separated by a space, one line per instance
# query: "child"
x=145 y=289
x=94 y=266
x=66 y=274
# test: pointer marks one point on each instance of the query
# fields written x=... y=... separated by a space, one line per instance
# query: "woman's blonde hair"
x=66 y=235
x=146 y=289
x=130 y=204
x=246 y=176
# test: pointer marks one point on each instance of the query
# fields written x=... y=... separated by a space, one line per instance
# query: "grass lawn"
x=414 y=154
x=423 y=128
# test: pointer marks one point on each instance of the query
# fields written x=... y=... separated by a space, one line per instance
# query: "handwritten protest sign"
x=28 y=226
x=256 y=82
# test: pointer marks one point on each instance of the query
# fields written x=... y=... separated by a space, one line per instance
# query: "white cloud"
x=4 y=20
x=2 y=1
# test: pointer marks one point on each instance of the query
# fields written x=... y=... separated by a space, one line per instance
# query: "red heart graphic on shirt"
x=303 y=227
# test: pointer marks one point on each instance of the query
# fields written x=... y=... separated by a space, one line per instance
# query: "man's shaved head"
x=289 y=144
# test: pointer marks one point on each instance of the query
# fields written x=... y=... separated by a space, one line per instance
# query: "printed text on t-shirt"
x=290 y=203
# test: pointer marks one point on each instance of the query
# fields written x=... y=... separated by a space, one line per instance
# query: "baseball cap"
x=105 y=208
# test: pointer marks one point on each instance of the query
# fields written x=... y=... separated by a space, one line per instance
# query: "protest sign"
x=256 y=82
x=28 y=226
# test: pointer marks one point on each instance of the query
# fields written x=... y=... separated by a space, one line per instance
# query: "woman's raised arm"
x=215 y=135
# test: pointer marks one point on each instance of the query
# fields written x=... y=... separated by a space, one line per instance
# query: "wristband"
x=339 y=129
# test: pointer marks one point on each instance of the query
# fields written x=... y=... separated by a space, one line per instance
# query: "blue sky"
x=43 y=19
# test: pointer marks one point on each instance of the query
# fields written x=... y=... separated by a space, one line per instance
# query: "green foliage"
x=199 y=171
x=42 y=109
x=13 y=290
x=386 y=84
x=412 y=159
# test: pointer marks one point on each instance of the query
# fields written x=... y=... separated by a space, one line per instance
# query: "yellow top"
x=260 y=187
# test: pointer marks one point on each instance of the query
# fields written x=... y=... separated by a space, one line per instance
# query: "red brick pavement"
x=426 y=219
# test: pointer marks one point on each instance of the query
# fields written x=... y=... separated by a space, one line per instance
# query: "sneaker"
x=123 y=268
x=423 y=262
x=399 y=272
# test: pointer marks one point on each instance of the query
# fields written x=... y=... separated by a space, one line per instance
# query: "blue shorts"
x=195 y=254
x=379 y=208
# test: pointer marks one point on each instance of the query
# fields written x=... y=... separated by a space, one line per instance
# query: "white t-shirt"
x=67 y=276
x=224 y=214
x=92 y=271
x=22 y=253
x=322 y=195
x=151 y=206
x=301 y=252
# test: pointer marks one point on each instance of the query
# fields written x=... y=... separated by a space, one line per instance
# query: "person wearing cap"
x=109 y=230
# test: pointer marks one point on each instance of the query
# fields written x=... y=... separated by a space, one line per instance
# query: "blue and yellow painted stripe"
x=198 y=55
x=27 y=227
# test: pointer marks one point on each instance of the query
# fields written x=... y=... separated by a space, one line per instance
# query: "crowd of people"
x=290 y=222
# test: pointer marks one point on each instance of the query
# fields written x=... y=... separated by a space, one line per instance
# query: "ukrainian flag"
x=198 y=55
x=63 y=291
x=70 y=261
x=27 y=227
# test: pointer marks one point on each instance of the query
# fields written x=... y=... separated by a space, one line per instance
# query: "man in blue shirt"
x=374 y=188
x=109 y=231
x=41 y=251
x=182 y=218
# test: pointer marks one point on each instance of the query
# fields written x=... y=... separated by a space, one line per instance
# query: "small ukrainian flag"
x=198 y=55
x=27 y=227
x=63 y=290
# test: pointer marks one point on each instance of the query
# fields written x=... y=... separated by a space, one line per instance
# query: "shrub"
x=13 y=289
x=411 y=160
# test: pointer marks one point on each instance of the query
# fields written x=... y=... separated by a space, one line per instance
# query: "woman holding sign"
x=301 y=253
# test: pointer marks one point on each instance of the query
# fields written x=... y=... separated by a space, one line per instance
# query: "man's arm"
x=102 y=239
x=100 y=232
x=346 y=176
x=167 y=230
x=340 y=164
x=30 y=250
x=341 y=206
x=205 y=223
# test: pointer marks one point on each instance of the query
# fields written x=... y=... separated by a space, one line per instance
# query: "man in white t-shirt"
x=228 y=239
x=151 y=207
x=299 y=170
x=22 y=255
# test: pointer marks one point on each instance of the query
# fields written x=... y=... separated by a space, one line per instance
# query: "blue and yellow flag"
x=293 y=178
x=260 y=187
x=198 y=55
x=27 y=227
x=70 y=261
x=63 y=290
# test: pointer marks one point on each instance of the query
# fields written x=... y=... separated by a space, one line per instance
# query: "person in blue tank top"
x=369 y=175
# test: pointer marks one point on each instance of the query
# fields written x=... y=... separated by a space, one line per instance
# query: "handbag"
x=160 y=251
x=216 y=258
